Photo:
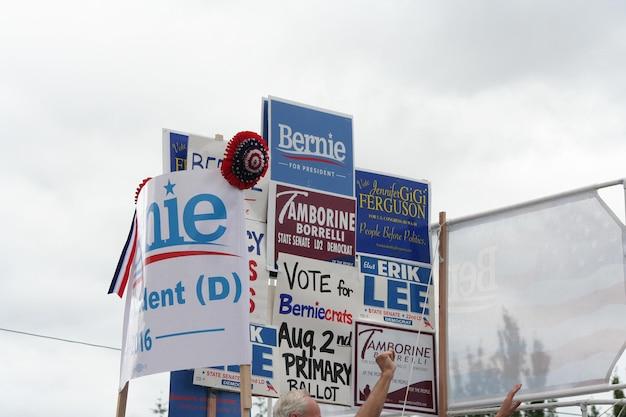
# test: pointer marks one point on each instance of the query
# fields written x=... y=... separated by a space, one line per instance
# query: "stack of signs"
x=185 y=151
x=190 y=293
x=311 y=239
x=395 y=275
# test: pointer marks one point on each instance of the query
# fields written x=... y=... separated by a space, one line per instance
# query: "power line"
x=78 y=342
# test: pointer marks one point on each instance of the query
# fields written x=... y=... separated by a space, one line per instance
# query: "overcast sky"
x=494 y=102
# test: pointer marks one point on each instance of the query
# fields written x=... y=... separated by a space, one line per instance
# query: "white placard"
x=191 y=297
x=313 y=311
x=256 y=233
x=191 y=152
x=264 y=341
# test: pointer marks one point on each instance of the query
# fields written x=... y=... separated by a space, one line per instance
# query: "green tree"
x=160 y=408
x=618 y=394
x=259 y=405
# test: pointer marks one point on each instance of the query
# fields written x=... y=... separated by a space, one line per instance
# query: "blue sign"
x=189 y=400
x=179 y=146
x=311 y=147
x=392 y=217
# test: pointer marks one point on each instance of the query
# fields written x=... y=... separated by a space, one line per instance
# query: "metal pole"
x=537 y=201
x=443 y=315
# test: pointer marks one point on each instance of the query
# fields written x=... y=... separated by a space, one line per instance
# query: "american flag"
x=126 y=261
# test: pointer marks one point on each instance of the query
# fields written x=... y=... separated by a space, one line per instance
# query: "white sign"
x=412 y=349
x=258 y=272
x=314 y=314
x=264 y=341
x=185 y=151
x=190 y=299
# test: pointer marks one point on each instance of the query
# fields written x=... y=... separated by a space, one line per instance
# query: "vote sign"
x=314 y=314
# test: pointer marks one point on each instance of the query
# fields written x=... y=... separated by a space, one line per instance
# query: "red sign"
x=314 y=225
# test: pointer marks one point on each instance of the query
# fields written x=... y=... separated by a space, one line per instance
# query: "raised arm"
x=374 y=404
x=509 y=405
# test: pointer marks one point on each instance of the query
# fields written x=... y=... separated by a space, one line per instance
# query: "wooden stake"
x=245 y=387
x=443 y=315
x=122 y=396
x=211 y=410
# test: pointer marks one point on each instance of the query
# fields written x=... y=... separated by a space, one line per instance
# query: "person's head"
x=296 y=403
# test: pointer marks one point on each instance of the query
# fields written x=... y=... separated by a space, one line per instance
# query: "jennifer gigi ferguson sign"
x=190 y=297
x=313 y=313
x=392 y=216
x=311 y=147
x=372 y=339
x=310 y=224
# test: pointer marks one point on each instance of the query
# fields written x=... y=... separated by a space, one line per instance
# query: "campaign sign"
x=187 y=399
x=185 y=151
x=392 y=216
x=397 y=293
x=313 y=312
x=310 y=224
x=190 y=297
x=264 y=341
x=413 y=350
x=259 y=275
x=311 y=147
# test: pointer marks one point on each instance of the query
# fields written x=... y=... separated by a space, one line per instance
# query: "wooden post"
x=122 y=396
x=443 y=315
x=245 y=387
x=211 y=410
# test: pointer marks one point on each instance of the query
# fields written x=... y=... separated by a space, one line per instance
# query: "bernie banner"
x=392 y=217
x=264 y=341
x=190 y=297
x=396 y=293
x=185 y=151
x=313 y=312
x=310 y=224
x=413 y=350
x=311 y=147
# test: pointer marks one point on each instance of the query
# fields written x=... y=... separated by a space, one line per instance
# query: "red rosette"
x=138 y=190
x=246 y=160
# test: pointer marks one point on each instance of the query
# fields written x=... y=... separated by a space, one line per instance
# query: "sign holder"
x=245 y=390
x=443 y=314
x=211 y=410
x=122 y=396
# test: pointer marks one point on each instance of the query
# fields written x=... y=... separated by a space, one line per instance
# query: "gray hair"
x=293 y=402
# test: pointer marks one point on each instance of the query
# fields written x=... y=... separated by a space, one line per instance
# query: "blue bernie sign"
x=392 y=216
x=311 y=147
